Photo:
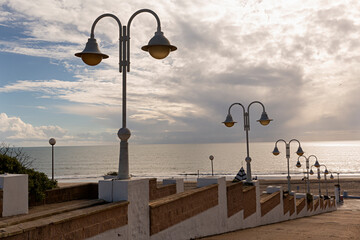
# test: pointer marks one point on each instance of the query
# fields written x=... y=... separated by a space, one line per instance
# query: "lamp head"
x=211 y=157
x=300 y=152
x=52 y=141
x=298 y=164
x=311 y=172
x=229 y=122
x=326 y=171
x=331 y=176
x=91 y=55
x=276 y=151
x=317 y=164
x=159 y=46
x=264 y=119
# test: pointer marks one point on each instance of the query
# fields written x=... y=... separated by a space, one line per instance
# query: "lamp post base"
x=123 y=173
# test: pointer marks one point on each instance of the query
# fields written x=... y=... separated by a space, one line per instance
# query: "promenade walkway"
x=341 y=224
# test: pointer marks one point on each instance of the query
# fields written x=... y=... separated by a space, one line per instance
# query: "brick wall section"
x=81 y=191
x=327 y=203
x=78 y=224
x=269 y=202
x=300 y=204
x=170 y=210
x=235 y=198
x=249 y=194
x=1 y=202
x=156 y=192
x=316 y=204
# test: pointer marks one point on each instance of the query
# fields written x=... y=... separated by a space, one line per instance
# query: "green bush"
x=38 y=181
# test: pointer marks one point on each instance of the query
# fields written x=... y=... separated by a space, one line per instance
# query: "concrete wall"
x=14 y=194
x=81 y=191
x=213 y=208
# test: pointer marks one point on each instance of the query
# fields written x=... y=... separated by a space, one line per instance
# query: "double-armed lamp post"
x=159 y=47
x=299 y=152
x=264 y=120
x=326 y=172
x=298 y=164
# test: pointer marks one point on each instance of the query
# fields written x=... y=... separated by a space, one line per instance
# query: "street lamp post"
x=319 y=177
x=326 y=172
x=52 y=142
x=299 y=152
x=159 y=47
x=264 y=120
x=298 y=164
x=211 y=157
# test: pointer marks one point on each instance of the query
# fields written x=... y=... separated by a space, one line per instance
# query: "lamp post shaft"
x=307 y=173
x=248 y=159
x=326 y=187
x=212 y=168
x=319 y=181
x=52 y=161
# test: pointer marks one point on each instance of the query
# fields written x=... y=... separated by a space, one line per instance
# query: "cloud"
x=14 y=129
x=300 y=58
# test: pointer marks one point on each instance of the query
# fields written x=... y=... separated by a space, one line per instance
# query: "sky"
x=300 y=58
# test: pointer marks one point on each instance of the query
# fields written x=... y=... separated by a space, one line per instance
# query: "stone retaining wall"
x=235 y=198
x=156 y=191
x=269 y=202
x=249 y=194
x=78 y=224
x=173 y=209
x=56 y=195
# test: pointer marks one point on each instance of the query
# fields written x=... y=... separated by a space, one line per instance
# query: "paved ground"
x=341 y=224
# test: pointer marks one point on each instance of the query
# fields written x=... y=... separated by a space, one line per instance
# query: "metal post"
x=288 y=167
x=248 y=159
x=319 y=181
x=211 y=157
x=52 y=161
x=307 y=173
x=326 y=186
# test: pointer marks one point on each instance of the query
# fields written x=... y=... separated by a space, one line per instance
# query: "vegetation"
x=38 y=181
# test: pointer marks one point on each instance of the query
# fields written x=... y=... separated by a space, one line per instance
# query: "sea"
x=189 y=161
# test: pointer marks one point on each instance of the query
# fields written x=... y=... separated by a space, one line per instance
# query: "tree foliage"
x=38 y=181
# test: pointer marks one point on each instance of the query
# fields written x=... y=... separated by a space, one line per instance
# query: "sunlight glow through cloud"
x=300 y=58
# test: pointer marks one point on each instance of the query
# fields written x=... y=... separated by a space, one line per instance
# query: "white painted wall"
x=15 y=194
x=277 y=213
x=210 y=222
x=178 y=181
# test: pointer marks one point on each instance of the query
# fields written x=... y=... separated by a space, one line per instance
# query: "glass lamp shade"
x=159 y=52
x=300 y=152
x=229 y=122
x=276 y=151
x=298 y=164
x=159 y=46
x=311 y=172
x=317 y=164
x=264 y=119
x=91 y=59
x=326 y=171
x=52 y=141
x=331 y=176
x=91 y=55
